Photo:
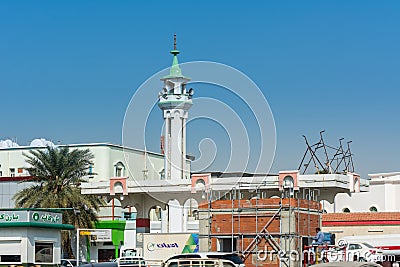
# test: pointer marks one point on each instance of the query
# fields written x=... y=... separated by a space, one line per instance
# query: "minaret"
x=175 y=101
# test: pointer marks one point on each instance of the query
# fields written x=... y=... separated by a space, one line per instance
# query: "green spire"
x=175 y=70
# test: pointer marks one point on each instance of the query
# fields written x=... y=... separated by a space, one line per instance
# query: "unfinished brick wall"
x=245 y=222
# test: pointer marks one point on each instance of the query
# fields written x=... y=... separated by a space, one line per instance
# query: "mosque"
x=149 y=192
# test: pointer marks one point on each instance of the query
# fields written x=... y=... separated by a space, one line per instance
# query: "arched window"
x=373 y=209
x=119 y=170
x=155 y=213
x=346 y=210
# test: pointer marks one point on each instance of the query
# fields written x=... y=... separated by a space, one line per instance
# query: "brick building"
x=259 y=228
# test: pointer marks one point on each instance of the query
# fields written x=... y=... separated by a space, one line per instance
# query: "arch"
x=118 y=187
x=357 y=184
x=119 y=169
x=288 y=182
x=190 y=206
x=373 y=209
x=154 y=213
x=200 y=182
x=118 y=183
x=162 y=172
x=283 y=175
x=346 y=210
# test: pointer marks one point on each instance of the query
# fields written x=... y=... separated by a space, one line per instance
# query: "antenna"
x=174 y=41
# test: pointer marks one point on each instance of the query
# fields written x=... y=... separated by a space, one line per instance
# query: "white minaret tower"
x=175 y=102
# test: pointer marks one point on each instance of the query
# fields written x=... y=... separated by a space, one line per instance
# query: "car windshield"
x=134 y=261
x=368 y=245
x=232 y=257
x=185 y=256
x=73 y=262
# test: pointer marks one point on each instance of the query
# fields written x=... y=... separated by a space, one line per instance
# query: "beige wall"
x=341 y=231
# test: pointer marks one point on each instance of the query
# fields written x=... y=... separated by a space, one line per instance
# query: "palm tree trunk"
x=66 y=245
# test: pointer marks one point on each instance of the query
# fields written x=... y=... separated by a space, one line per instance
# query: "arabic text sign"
x=45 y=217
x=10 y=216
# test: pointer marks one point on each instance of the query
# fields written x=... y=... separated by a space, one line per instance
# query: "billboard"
x=162 y=246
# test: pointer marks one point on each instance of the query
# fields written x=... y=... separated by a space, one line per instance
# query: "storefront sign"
x=99 y=235
x=46 y=217
x=10 y=216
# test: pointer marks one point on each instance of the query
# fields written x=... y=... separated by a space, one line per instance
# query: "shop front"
x=31 y=237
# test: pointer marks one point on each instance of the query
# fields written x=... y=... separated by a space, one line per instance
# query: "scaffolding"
x=326 y=158
x=289 y=208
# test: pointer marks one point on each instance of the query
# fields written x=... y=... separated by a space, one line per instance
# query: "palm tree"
x=57 y=174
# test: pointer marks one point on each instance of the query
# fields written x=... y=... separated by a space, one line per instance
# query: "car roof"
x=202 y=254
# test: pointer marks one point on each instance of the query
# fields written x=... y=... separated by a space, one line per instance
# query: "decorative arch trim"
x=203 y=178
x=284 y=174
x=118 y=180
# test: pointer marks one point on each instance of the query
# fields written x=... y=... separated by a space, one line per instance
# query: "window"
x=129 y=216
x=119 y=169
x=91 y=171
x=373 y=209
x=368 y=245
x=43 y=252
x=12 y=172
x=346 y=210
x=10 y=258
x=1 y=173
x=227 y=244
x=352 y=247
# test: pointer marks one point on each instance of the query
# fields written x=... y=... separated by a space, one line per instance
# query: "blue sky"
x=69 y=68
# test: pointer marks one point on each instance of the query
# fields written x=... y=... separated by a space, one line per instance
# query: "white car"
x=363 y=251
x=133 y=261
x=355 y=251
x=69 y=263
x=228 y=256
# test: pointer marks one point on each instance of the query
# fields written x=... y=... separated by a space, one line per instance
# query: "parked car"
x=347 y=264
x=199 y=262
x=355 y=251
x=70 y=263
x=233 y=257
x=123 y=261
x=364 y=251
x=133 y=261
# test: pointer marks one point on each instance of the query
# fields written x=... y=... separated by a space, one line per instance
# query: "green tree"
x=57 y=174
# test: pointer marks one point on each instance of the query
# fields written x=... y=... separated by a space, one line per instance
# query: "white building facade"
x=383 y=196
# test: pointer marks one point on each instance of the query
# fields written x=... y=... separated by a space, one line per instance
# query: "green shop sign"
x=46 y=217
x=11 y=216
